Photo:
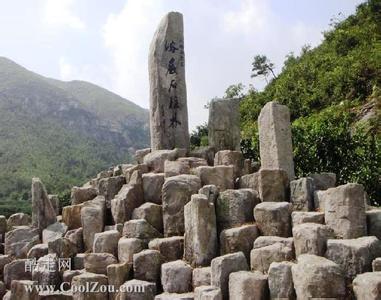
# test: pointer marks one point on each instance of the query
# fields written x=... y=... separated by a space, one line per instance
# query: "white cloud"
x=60 y=13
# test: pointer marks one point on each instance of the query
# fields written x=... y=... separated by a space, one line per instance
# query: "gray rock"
x=150 y=212
x=238 y=239
x=89 y=279
x=201 y=276
x=368 y=286
x=53 y=231
x=311 y=238
x=273 y=185
x=147 y=265
x=2 y=289
x=302 y=194
x=262 y=258
x=275 y=143
x=152 y=185
x=4 y=259
x=140 y=168
x=220 y=176
x=235 y=207
x=117 y=274
x=355 y=256
x=43 y=213
x=71 y=216
x=18 y=219
x=46 y=271
x=244 y=285
x=376 y=264
x=229 y=157
x=222 y=266
x=106 y=242
x=127 y=247
x=174 y=168
x=200 y=241
x=168 y=97
x=140 y=153
x=204 y=152
x=20 y=240
x=249 y=181
x=319 y=200
x=177 y=192
x=68 y=275
x=62 y=247
x=175 y=296
x=281 y=285
x=317 y=277
x=193 y=162
x=20 y=290
x=224 y=131
x=207 y=292
x=38 y=251
x=345 y=210
x=300 y=217
x=137 y=290
x=263 y=241
x=92 y=219
x=373 y=218
x=140 y=229
x=15 y=270
x=324 y=181
x=176 y=277
x=98 y=262
x=171 y=248
x=82 y=194
x=273 y=218
x=156 y=159
x=210 y=191
x=55 y=201
x=76 y=237
x=79 y=261
x=109 y=187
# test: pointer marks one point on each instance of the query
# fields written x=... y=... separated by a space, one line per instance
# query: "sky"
x=107 y=42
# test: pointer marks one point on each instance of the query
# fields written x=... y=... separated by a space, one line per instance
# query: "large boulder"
x=46 y=271
x=24 y=290
x=18 y=219
x=281 y=285
x=152 y=185
x=171 y=248
x=156 y=159
x=147 y=265
x=273 y=185
x=220 y=176
x=140 y=153
x=229 y=157
x=140 y=229
x=248 y=285
x=127 y=247
x=211 y=192
x=323 y=181
x=273 y=218
x=62 y=247
x=106 y=242
x=177 y=192
x=174 y=168
x=109 y=187
x=92 y=219
x=249 y=181
x=176 y=277
x=300 y=217
x=20 y=240
x=368 y=286
x=71 y=216
x=54 y=231
x=150 y=212
x=117 y=274
x=263 y=241
x=89 y=279
x=98 y=262
x=82 y=194
x=137 y=290
x=302 y=194
x=19 y=269
x=201 y=276
x=373 y=218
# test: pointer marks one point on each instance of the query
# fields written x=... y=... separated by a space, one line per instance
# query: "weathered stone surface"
x=373 y=219
x=224 y=132
x=200 y=240
x=175 y=296
x=82 y=194
x=92 y=219
x=46 y=271
x=355 y=256
x=368 y=286
x=152 y=185
x=222 y=266
x=129 y=197
x=300 y=217
x=53 y=231
x=324 y=181
x=15 y=270
x=264 y=241
x=193 y=162
x=176 y=277
x=302 y=194
x=98 y=262
x=76 y=237
x=137 y=290
x=376 y=264
x=55 y=201
x=229 y=157
x=261 y=258
x=68 y=275
x=171 y=248
x=317 y=277
x=220 y=176
x=20 y=291
x=140 y=229
x=140 y=168
x=245 y=285
x=311 y=238
x=18 y=219
x=249 y=181
x=174 y=168
x=204 y=152
x=43 y=213
x=4 y=259
x=62 y=247
x=211 y=192
x=177 y=191
x=150 y=212
x=168 y=97
x=140 y=153
x=127 y=247
x=117 y=274
x=275 y=143
x=79 y=261
x=20 y=240
x=201 y=276
x=273 y=185
x=156 y=159
x=319 y=200
x=235 y=207
x=109 y=187
x=38 y=251
x=147 y=265
x=345 y=210
x=71 y=216
x=89 y=279
x=280 y=281
x=207 y=292
x=238 y=239
x=273 y=218
x=106 y=242
x=3 y=289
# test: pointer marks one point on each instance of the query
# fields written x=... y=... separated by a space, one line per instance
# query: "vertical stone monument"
x=168 y=97
x=275 y=143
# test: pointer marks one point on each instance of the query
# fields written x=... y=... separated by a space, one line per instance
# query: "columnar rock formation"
x=168 y=97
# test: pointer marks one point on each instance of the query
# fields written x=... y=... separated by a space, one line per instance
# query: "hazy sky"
x=106 y=41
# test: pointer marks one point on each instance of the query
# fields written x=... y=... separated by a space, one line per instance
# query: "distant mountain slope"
x=62 y=132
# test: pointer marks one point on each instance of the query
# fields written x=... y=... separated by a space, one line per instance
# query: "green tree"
x=262 y=66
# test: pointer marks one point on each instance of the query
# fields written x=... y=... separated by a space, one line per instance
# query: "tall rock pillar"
x=168 y=96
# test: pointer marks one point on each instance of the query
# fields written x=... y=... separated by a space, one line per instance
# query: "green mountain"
x=62 y=132
x=334 y=95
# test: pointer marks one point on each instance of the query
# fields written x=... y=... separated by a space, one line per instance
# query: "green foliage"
x=262 y=66
x=235 y=91
x=199 y=136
